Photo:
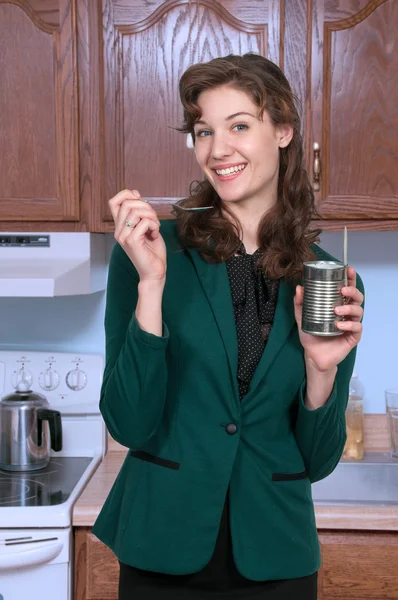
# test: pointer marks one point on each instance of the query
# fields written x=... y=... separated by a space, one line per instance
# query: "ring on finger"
x=129 y=223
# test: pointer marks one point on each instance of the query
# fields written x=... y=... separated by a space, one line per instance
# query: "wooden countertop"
x=361 y=517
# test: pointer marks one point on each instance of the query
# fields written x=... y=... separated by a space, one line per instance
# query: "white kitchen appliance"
x=38 y=264
x=36 y=543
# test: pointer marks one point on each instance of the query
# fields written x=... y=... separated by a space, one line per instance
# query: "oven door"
x=35 y=564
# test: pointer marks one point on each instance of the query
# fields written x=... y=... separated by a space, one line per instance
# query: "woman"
x=229 y=410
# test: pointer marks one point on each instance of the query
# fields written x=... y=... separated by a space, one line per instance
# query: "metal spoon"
x=192 y=208
x=155 y=201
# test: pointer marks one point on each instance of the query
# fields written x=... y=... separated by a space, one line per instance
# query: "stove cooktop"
x=45 y=487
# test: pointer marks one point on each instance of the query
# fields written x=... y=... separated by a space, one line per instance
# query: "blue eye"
x=242 y=127
x=203 y=133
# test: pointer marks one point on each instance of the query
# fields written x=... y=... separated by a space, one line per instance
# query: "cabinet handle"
x=317 y=167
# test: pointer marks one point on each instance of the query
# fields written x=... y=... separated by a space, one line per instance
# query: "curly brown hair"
x=284 y=231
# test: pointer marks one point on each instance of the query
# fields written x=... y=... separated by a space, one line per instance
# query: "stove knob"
x=22 y=375
x=49 y=380
x=76 y=380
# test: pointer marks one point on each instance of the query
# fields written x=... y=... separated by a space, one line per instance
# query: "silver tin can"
x=323 y=281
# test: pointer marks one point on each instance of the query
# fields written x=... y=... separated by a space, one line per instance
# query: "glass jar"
x=354 y=446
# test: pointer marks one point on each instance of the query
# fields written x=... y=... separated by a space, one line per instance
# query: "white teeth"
x=231 y=170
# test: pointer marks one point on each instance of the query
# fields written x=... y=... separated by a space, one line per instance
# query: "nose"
x=220 y=146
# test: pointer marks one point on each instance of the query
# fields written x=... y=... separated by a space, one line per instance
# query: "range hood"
x=52 y=264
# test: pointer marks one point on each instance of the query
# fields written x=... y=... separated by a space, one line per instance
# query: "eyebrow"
x=200 y=122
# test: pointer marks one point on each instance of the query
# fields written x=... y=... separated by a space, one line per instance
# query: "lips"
x=230 y=169
x=229 y=173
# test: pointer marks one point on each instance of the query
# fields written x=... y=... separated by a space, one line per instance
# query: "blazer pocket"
x=162 y=462
x=289 y=476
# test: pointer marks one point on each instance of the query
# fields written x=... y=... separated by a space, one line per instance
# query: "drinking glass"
x=392 y=418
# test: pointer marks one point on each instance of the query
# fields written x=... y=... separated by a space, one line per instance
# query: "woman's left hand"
x=325 y=353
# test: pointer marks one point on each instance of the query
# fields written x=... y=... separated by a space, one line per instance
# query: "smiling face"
x=237 y=150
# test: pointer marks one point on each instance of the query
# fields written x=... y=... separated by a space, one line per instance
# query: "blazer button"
x=231 y=429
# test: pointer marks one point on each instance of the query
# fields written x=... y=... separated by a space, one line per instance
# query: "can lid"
x=324 y=264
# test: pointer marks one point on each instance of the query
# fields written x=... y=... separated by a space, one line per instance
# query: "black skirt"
x=219 y=580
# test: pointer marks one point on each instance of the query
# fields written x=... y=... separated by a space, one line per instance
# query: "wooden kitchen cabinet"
x=39 y=127
x=96 y=573
x=141 y=53
x=342 y=61
x=352 y=107
x=89 y=101
x=356 y=566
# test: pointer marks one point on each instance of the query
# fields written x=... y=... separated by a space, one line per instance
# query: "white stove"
x=36 y=543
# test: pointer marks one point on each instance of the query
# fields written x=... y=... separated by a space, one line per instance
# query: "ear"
x=284 y=135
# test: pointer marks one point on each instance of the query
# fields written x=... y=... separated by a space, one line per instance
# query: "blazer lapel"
x=215 y=284
x=284 y=320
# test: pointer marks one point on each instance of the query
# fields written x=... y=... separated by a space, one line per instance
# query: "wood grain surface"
x=39 y=113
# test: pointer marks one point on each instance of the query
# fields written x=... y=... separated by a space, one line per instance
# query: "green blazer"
x=174 y=402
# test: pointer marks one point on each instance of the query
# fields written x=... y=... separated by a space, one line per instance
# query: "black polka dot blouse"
x=254 y=299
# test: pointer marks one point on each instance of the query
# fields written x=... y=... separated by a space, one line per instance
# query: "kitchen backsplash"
x=75 y=323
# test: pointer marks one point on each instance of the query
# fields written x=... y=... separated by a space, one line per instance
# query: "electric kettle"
x=28 y=428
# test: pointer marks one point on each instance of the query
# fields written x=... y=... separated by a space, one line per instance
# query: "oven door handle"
x=28 y=554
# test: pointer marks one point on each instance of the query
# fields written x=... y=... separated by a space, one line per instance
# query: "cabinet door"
x=353 y=107
x=38 y=116
x=96 y=574
x=358 y=566
x=143 y=50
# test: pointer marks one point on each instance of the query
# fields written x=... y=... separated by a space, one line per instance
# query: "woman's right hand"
x=142 y=242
